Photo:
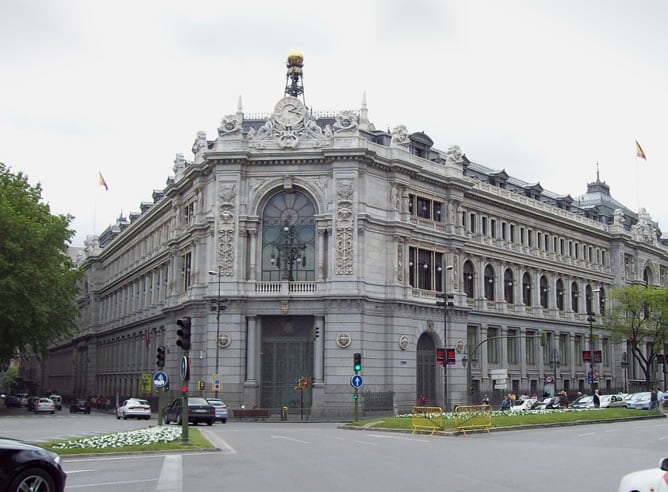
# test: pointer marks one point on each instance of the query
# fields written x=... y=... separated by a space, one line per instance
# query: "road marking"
x=398 y=438
x=218 y=441
x=289 y=439
x=586 y=434
x=105 y=484
x=171 y=475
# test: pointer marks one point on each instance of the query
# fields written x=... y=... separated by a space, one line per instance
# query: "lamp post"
x=447 y=301
x=211 y=272
x=290 y=251
x=625 y=367
x=591 y=319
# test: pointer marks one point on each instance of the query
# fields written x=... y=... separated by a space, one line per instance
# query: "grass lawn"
x=149 y=440
x=516 y=419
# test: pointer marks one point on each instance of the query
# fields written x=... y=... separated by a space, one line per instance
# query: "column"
x=252 y=259
x=251 y=350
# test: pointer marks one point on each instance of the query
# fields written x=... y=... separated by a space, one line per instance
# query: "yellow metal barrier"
x=427 y=418
x=469 y=417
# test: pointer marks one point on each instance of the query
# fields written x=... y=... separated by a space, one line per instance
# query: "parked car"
x=547 y=403
x=522 y=404
x=639 y=401
x=199 y=410
x=134 y=408
x=32 y=403
x=583 y=401
x=23 y=399
x=12 y=401
x=612 y=401
x=80 y=405
x=44 y=405
x=27 y=467
x=650 y=479
x=57 y=401
x=220 y=407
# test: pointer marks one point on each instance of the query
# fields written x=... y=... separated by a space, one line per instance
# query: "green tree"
x=10 y=379
x=639 y=316
x=38 y=281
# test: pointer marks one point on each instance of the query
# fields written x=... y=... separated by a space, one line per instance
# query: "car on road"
x=199 y=410
x=44 y=405
x=134 y=408
x=57 y=401
x=12 y=401
x=80 y=405
x=32 y=403
x=612 y=401
x=23 y=399
x=654 y=479
x=220 y=407
x=27 y=467
x=547 y=403
x=639 y=401
x=583 y=401
x=522 y=404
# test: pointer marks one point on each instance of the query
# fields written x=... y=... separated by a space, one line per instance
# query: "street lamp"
x=591 y=318
x=218 y=309
x=447 y=301
x=625 y=366
x=290 y=251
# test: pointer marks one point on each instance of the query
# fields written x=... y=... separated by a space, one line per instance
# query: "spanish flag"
x=639 y=151
x=102 y=182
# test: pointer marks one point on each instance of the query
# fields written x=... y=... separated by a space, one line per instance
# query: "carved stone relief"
x=226 y=229
x=344 y=227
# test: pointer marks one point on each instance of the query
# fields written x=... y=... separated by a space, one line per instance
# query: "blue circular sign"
x=160 y=379
x=356 y=381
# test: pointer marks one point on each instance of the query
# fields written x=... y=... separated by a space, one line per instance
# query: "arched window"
x=468 y=279
x=647 y=277
x=288 y=238
x=588 y=299
x=508 y=287
x=526 y=289
x=543 y=291
x=560 y=295
x=575 y=297
x=489 y=283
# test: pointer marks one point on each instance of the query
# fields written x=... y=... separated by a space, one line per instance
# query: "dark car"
x=12 y=401
x=27 y=467
x=199 y=410
x=80 y=406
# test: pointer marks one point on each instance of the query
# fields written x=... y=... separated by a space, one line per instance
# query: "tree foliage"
x=38 y=281
x=639 y=315
x=10 y=379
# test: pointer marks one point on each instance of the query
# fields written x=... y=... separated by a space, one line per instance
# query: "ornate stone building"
x=326 y=237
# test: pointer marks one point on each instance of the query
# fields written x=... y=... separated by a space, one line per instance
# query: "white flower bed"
x=141 y=437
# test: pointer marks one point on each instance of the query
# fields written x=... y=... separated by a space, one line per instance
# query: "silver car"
x=221 y=409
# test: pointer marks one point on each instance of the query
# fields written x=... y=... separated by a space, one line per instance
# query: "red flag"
x=639 y=151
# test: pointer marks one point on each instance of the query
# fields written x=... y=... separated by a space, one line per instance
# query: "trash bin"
x=284 y=413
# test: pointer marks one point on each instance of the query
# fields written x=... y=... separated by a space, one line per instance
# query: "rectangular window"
x=563 y=349
x=186 y=272
x=423 y=208
x=577 y=346
x=189 y=212
x=605 y=352
x=512 y=347
x=512 y=233
x=530 y=238
x=492 y=346
x=503 y=230
x=493 y=227
x=530 y=345
x=484 y=226
x=522 y=236
x=472 y=224
x=548 y=348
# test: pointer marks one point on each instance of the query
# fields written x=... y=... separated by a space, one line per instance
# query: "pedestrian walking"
x=661 y=397
x=653 y=399
x=597 y=399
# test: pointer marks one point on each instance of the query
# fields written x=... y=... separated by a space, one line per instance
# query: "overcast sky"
x=543 y=89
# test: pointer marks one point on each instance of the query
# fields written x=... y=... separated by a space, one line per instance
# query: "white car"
x=221 y=408
x=134 y=408
x=519 y=405
x=654 y=479
x=44 y=405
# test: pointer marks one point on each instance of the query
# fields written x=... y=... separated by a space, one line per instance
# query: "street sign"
x=217 y=382
x=160 y=379
x=356 y=381
x=146 y=383
x=185 y=369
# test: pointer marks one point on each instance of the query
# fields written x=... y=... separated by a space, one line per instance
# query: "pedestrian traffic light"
x=160 y=356
x=440 y=356
x=357 y=362
x=184 y=390
x=450 y=354
x=183 y=333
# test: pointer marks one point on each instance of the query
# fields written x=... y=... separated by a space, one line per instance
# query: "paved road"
x=322 y=457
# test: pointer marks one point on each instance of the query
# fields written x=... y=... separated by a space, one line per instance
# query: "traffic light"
x=357 y=362
x=440 y=356
x=160 y=356
x=183 y=333
x=316 y=331
x=184 y=390
x=450 y=354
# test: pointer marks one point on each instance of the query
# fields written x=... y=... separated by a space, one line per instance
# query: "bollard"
x=284 y=413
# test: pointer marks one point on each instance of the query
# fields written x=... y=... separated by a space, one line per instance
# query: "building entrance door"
x=287 y=356
x=426 y=370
